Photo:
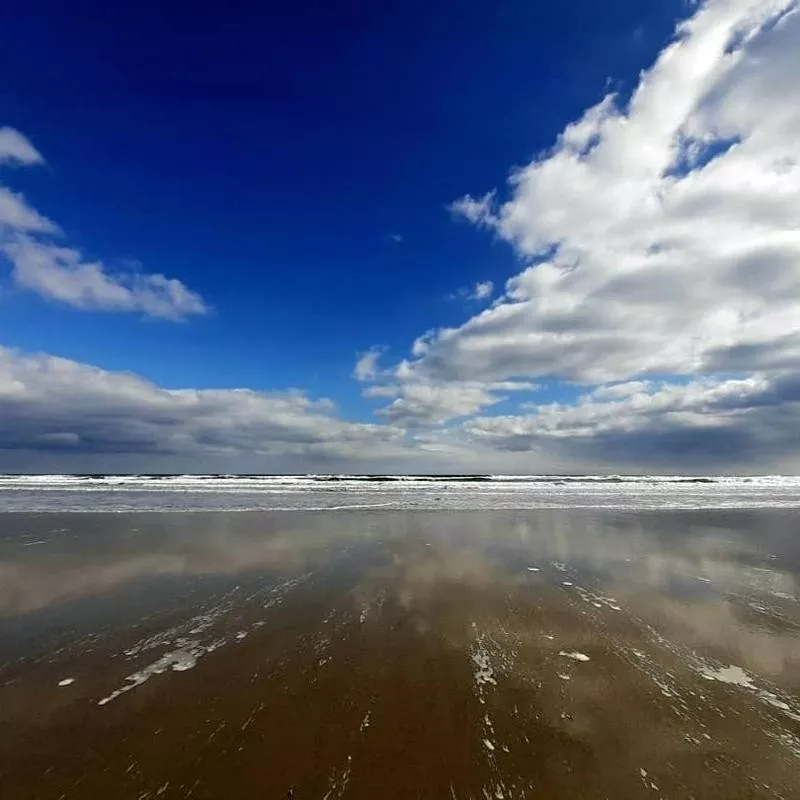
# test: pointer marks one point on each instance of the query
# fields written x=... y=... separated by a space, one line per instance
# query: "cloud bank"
x=750 y=424
x=54 y=404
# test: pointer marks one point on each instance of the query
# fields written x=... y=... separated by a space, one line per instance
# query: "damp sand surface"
x=363 y=654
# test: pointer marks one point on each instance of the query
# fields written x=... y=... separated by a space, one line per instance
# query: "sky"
x=440 y=237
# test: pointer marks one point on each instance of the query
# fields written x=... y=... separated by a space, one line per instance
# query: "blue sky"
x=325 y=179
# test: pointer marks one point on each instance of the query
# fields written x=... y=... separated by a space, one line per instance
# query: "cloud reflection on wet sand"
x=552 y=651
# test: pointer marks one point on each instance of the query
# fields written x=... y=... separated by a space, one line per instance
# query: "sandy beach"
x=553 y=654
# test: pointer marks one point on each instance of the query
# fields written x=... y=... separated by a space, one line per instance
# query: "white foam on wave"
x=352 y=492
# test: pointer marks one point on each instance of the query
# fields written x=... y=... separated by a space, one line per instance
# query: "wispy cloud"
x=16 y=149
x=477 y=210
x=366 y=368
x=63 y=274
x=59 y=273
x=17 y=216
x=482 y=290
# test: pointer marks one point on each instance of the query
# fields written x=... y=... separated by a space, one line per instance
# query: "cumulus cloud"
x=63 y=274
x=53 y=404
x=660 y=235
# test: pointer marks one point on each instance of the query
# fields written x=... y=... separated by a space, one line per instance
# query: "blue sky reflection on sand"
x=666 y=638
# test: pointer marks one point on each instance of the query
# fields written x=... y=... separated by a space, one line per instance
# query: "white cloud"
x=418 y=403
x=477 y=210
x=17 y=215
x=663 y=235
x=615 y=391
x=15 y=148
x=366 y=368
x=61 y=273
x=482 y=290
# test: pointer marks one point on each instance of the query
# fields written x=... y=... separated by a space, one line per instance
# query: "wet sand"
x=547 y=654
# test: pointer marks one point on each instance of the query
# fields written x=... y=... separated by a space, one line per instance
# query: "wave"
x=97 y=492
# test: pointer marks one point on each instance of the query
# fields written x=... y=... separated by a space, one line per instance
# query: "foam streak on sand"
x=736 y=676
x=732 y=674
x=177 y=660
x=575 y=656
x=483 y=673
